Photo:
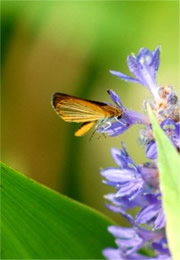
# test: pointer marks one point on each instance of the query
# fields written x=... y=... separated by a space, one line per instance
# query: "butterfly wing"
x=72 y=109
x=84 y=128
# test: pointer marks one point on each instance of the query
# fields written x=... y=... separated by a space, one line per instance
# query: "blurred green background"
x=69 y=47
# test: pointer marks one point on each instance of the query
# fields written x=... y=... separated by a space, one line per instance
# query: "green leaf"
x=38 y=223
x=169 y=167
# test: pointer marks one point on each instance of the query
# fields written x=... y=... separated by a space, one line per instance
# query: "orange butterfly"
x=78 y=110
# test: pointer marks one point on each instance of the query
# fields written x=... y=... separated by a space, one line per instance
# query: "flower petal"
x=115 y=129
x=160 y=220
x=124 y=77
x=168 y=124
x=118 y=175
x=145 y=56
x=144 y=68
x=151 y=151
x=155 y=60
x=117 y=156
x=122 y=158
x=131 y=189
x=119 y=210
x=146 y=214
x=115 y=98
x=135 y=67
x=122 y=232
x=161 y=246
x=112 y=254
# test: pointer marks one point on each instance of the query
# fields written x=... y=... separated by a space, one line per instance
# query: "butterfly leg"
x=105 y=125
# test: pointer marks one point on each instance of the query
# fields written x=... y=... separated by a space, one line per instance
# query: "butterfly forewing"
x=72 y=109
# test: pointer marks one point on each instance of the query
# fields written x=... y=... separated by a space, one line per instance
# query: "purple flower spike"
x=144 y=68
x=138 y=186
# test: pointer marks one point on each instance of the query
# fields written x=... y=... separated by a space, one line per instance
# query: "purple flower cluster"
x=137 y=186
